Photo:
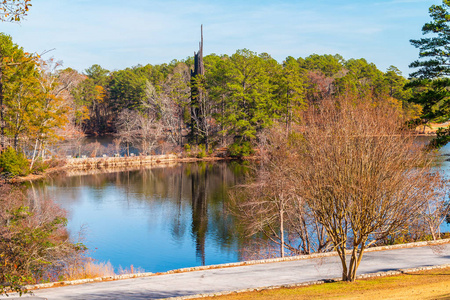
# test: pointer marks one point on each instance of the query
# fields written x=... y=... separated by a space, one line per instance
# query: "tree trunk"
x=288 y=115
x=282 y=232
x=197 y=95
x=341 y=252
x=2 y=121
x=16 y=142
x=221 y=125
x=33 y=159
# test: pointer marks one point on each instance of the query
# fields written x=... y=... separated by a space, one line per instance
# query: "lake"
x=158 y=219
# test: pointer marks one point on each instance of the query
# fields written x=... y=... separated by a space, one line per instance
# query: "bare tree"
x=269 y=204
x=349 y=176
x=435 y=212
x=151 y=131
x=176 y=87
x=127 y=127
x=361 y=175
x=165 y=111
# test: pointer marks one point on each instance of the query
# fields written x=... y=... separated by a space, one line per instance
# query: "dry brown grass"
x=89 y=270
x=433 y=284
x=131 y=270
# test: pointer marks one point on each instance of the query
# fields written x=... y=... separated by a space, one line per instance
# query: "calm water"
x=444 y=166
x=157 y=219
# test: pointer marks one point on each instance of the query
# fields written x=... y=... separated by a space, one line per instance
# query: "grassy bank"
x=432 y=284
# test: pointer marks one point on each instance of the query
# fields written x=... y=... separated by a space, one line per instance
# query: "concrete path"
x=252 y=276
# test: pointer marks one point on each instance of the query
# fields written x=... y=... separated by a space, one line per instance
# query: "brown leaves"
x=14 y=10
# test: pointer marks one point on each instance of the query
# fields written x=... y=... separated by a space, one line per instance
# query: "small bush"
x=55 y=163
x=240 y=149
x=39 y=166
x=187 y=148
x=201 y=151
x=441 y=139
x=14 y=163
x=35 y=244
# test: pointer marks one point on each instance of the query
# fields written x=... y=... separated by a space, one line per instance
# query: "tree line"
x=245 y=93
x=151 y=107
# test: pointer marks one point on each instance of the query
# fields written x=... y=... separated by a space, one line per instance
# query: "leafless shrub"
x=93 y=149
x=113 y=148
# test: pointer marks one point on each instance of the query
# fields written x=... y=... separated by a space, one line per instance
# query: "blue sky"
x=121 y=33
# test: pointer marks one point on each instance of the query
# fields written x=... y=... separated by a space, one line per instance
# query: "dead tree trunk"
x=197 y=95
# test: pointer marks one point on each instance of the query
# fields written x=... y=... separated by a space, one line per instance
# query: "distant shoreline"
x=98 y=165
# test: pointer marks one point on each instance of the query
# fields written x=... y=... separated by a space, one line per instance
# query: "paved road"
x=253 y=276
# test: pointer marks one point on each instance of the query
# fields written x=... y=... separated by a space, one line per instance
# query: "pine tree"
x=431 y=85
x=250 y=105
x=434 y=51
x=291 y=89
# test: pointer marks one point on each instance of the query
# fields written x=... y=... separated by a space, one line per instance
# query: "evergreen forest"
x=152 y=107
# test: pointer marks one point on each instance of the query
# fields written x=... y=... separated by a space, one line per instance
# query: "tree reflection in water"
x=199 y=184
x=158 y=219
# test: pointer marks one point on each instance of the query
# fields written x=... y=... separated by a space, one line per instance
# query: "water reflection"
x=157 y=219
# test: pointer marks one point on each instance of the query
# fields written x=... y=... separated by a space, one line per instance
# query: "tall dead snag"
x=199 y=105
x=199 y=68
